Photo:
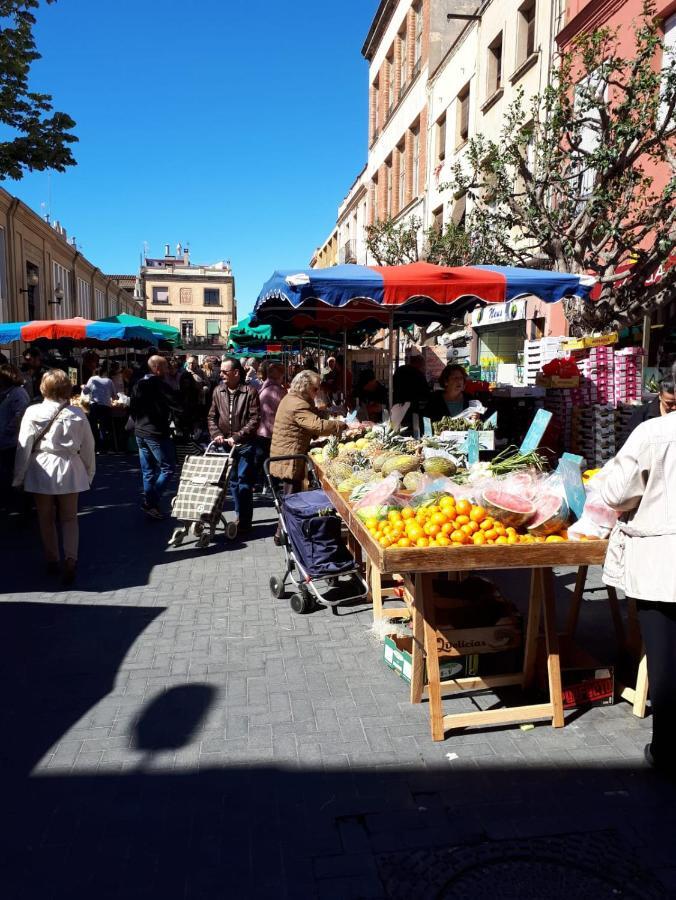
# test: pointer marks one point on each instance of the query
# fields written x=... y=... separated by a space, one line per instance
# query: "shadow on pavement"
x=56 y=663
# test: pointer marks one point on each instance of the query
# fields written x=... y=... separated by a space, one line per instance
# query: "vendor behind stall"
x=370 y=397
x=451 y=399
x=664 y=403
x=409 y=385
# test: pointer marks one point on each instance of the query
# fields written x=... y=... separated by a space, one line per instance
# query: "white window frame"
x=4 y=304
x=84 y=298
x=415 y=139
x=418 y=19
x=99 y=303
x=61 y=276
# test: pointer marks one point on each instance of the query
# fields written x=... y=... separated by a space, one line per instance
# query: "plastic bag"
x=378 y=502
x=597 y=519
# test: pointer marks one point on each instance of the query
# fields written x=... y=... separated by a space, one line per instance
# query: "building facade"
x=327 y=254
x=44 y=276
x=352 y=219
x=199 y=300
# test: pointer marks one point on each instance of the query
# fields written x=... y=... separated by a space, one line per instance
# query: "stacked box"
x=593 y=433
x=537 y=354
x=625 y=411
x=599 y=370
x=628 y=375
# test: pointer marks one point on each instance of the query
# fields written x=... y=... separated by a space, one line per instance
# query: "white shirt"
x=65 y=462
x=101 y=390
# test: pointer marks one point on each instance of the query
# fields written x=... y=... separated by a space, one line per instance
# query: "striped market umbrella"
x=77 y=330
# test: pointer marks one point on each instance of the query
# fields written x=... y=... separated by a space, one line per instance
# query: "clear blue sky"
x=236 y=127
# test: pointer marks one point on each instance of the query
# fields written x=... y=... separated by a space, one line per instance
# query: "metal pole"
x=345 y=366
x=390 y=385
x=646 y=337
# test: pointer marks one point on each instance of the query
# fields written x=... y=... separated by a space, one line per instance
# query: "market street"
x=169 y=730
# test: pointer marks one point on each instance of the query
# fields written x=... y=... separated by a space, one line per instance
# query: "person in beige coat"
x=640 y=482
x=297 y=423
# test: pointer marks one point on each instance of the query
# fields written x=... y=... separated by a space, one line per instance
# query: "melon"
x=402 y=463
x=508 y=508
x=440 y=466
x=551 y=516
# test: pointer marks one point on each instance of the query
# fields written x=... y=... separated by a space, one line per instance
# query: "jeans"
x=242 y=483
x=101 y=421
x=262 y=445
x=158 y=463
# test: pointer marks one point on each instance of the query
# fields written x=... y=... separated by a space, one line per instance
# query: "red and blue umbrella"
x=77 y=330
x=343 y=296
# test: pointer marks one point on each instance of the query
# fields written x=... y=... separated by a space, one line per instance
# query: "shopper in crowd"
x=233 y=421
x=337 y=385
x=370 y=397
x=152 y=405
x=33 y=368
x=330 y=366
x=270 y=396
x=662 y=405
x=410 y=386
x=251 y=367
x=297 y=423
x=640 y=482
x=451 y=399
x=14 y=400
x=117 y=377
x=101 y=392
x=196 y=391
x=55 y=461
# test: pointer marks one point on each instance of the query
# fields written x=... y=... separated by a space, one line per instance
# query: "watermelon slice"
x=552 y=515
x=511 y=510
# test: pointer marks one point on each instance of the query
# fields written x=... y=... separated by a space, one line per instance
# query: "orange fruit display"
x=464 y=507
x=477 y=514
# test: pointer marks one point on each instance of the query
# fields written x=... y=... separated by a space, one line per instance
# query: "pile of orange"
x=450 y=523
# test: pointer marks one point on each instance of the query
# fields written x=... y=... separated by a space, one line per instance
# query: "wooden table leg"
x=532 y=628
x=576 y=602
x=376 y=585
x=424 y=598
x=641 y=692
x=418 y=663
x=552 y=638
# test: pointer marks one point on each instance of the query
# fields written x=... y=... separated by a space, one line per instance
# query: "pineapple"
x=331 y=449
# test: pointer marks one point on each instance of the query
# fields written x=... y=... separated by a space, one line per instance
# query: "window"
x=403 y=62
x=160 y=295
x=495 y=66
x=61 y=279
x=526 y=33
x=161 y=321
x=438 y=219
x=213 y=327
x=212 y=297
x=590 y=93
x=376 y=108
x=187 y=329
x=388 y=175
x=460 y=212
x=3 y=276
x=418 y=27
x=441 y=138
x=416 y=160
x=100 y=304
x=463 y=116
x=390 y=85
x=84 y=298
x=402 y=175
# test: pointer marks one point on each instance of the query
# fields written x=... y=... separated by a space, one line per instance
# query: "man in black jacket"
x=664 y=403
x=152 y=404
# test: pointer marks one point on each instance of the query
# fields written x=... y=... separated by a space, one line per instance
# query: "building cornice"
x=380 y=22
x=595 y=14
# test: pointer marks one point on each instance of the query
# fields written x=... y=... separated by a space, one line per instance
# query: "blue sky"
x=236 y=127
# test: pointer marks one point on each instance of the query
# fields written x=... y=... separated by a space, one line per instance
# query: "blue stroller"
x=314 y=548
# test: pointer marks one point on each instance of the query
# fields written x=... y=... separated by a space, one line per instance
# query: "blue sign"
x=571 y=476
x=427 y=427
x=472 y=447
x=537 y=429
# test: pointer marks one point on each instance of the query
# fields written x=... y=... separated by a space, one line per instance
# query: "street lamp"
x=32 y=281
x=58 y=296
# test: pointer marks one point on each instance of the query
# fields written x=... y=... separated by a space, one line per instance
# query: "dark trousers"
x=242 y=483
x=262 y=445
x=658 y=627
x=101 y=421
x=158 y=464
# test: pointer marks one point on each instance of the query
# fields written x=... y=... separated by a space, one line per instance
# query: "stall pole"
x=345 y=366
x=393 y=350
x=646 y=338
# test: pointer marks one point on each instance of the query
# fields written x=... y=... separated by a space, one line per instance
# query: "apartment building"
x=197 y=299
x=43 y=275
x=327 y=254
x=352 y=219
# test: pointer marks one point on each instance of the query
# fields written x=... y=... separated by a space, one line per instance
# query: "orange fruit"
x=407 y=512
x=385 y=542
x=461 y=520
x=467 y=529
x=422 y=542
x=404 y=542
x=464 y=507
x=539 y=540
x=443 y=541
x=477 y=514
x=479 y=538
x=415 y=532
x=473 y=527
x=510 y=530
x=512 y=538
x=432 y=530
x=502 y=540
x=500 y=528
x=486 y=523
x=458 y=537
x=438 y=518
x=491 y=534
x=447 y=528
x=554 y=539
x=394 y=515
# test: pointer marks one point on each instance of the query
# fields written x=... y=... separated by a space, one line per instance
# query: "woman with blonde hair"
x=297 y=423
x=55 y=461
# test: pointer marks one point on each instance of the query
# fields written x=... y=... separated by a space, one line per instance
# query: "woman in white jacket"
x=55 y=461
x=641 y=560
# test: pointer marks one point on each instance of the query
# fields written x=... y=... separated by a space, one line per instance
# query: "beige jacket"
x=296 y=424
x=641 y=482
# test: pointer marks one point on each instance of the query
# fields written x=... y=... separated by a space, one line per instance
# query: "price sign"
x=472 y=447
x=427 y=427
x=571 y=476
x=537 y=429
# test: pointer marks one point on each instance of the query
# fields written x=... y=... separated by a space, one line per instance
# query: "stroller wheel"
x=302 y=603
x=203 y=541
x=231 y=531
x=276 y=587
x=196 y=529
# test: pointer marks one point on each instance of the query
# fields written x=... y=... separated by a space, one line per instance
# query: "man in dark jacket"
x=664 y=403
x=233 y=420
x=152 y=404
x=409 y=385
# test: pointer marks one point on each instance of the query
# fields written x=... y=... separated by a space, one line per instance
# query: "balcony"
x=348 y=252
x=203 y=341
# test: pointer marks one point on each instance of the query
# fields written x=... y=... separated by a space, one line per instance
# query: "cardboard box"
x=398 y=655
x=553 y=381
x=506 y=634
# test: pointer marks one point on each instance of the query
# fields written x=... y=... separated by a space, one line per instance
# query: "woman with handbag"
x=55 y=461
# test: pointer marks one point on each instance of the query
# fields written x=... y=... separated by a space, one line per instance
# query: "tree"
x=397 y=243
x=571 y=184
x=394 y=243
x=38 y=140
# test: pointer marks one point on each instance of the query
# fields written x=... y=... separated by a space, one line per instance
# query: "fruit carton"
x=398 y=655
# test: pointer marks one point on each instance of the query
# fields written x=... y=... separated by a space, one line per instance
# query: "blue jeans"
x=242 y=483
x=158 y=463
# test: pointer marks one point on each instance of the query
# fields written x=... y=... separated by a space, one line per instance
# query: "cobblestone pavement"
x=169 y=730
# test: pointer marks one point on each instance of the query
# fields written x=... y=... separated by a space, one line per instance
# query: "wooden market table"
x=418 y=565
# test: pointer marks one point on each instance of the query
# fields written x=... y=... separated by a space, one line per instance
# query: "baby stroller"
x=314 y=548
x=202 y=490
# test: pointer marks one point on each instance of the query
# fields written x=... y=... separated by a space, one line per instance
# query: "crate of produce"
x=398 y=655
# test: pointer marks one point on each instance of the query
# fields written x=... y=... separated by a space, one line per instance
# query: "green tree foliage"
x=36 y=138
x=394 y=243
x=570 y=184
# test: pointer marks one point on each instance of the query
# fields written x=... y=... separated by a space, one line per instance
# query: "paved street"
x=171 y=731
